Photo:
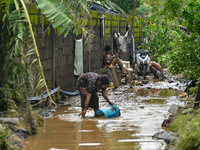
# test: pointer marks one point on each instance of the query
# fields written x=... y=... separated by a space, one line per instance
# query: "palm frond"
x=113 y=6
x=64 y=14
x=143 y=10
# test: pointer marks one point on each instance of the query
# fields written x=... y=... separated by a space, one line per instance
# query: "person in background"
x=156 y=69
x=88 y=84
x=109 y=59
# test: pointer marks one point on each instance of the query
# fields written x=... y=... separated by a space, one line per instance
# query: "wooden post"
x=197 y=100
x=130 y=75
x=119 y=76
x=132 y=28
x=113 y=75
x=54 y=58
x=133 y=16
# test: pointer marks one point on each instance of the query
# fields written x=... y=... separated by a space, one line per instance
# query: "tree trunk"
x=197 y=100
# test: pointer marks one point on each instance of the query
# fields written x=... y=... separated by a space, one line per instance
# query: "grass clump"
x=187 y=128
x=5 y=134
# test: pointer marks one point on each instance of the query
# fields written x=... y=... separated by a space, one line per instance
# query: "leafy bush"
x=9 y=98
x=159 y=37
x=185 y=57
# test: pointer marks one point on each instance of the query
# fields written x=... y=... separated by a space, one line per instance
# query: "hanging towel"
x=78 y=58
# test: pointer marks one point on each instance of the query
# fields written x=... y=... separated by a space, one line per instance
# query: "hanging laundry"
x=131 y=46
x=78 y=58
x=123 y=42
x=129 y=41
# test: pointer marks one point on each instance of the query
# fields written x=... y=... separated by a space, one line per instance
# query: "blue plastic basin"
x=109 y=111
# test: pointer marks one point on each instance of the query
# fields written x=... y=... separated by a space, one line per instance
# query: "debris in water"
x=183 y=95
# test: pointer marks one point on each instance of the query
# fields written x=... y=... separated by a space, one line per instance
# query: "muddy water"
x=143 y=109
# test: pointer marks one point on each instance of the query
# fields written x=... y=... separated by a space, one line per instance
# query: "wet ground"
x=143 y=108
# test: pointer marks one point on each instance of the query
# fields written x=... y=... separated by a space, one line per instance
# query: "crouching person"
x=88 y=84
x=157 y=70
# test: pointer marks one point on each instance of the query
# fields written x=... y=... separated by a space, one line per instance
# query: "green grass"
x=187 y=128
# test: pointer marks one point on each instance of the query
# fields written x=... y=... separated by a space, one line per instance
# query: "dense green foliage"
x=171 y=9
x=19 y=62
x=143 y=10
x=158 y=38
x=171 y=45
x=24 y=75
x=185 y=58
x=190 y=15
x=10 y=98
x=126 y=5
x=186 y=48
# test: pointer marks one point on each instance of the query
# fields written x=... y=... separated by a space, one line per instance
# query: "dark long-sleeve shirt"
x=89 y=81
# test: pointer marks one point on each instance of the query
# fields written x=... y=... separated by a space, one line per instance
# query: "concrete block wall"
x=57 y=57
x=92 y=51
x=64 y=57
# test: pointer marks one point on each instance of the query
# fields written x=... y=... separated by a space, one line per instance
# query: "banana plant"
x=15 y=43
x=19 y=49
x=67 y=15
x=17 y=25
x=111 y=4
x=17 y=29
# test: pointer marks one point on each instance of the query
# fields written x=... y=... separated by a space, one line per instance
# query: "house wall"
x=57 y=52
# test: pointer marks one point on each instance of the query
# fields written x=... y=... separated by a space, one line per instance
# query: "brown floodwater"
x=143 y=110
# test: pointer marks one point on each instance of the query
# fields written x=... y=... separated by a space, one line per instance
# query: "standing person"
x=156 y=69
x=113 y=59
x=87 y=86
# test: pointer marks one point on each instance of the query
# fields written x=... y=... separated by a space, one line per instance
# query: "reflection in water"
x=132 y=130
x=156 y=92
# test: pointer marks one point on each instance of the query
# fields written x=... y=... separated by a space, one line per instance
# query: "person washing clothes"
x=114 y=59
x=88 y=84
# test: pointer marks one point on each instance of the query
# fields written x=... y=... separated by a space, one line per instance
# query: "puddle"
x=143 y=109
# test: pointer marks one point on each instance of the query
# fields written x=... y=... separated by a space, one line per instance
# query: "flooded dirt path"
x=143 y=109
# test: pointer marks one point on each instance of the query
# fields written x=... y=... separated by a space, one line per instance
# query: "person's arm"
x=86 y=104
x=106 y=97
x=116 y=55
x=113 y=56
